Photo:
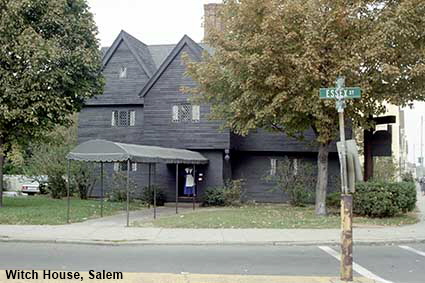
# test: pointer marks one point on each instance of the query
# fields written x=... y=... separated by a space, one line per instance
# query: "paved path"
x=105 y=231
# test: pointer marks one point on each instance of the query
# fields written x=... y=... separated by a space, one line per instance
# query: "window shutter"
x=196 y=113
x=113 y=120
x=175 y=113
x=132 y=119
x=116 y=166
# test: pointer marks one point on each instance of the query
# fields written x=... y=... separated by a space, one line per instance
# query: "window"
x=273 y=166
x=123 y=72
x=186 y=113
x=122 y=166
x=123 y=118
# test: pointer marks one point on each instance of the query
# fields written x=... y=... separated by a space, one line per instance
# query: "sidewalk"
x=108 y=232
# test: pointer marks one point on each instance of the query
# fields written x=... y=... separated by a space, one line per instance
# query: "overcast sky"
x=166 y=21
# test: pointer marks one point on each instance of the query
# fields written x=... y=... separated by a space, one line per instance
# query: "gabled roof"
x=139 y=50
x=195 y=49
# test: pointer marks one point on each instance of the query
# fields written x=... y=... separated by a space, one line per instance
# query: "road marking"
x=358 y=268
x=413 y=250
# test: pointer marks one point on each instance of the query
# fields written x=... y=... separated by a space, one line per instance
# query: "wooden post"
x=368 y=158
x=346 y=208
x=101 y=189
x=194 y=186
x=346 y=237
x=68 y=199
x=128 y=193
x=177 y=188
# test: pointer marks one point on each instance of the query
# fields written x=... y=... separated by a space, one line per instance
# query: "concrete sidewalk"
x=103 y=232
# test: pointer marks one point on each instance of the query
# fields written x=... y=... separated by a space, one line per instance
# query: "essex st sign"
x=340 y=93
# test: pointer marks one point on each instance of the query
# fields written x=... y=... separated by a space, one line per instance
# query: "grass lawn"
x=268 y=216
x=44 y=210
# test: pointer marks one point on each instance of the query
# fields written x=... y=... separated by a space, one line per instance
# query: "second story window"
x=186 y=113
x=125 y=118
x=123 y=72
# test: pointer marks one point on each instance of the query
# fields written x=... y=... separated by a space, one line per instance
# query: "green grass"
x=267 y=216
x=39 y=210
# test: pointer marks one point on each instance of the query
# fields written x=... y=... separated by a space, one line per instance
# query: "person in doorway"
x=189 y=187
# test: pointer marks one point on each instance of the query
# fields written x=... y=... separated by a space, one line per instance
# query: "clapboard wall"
x=159 y=129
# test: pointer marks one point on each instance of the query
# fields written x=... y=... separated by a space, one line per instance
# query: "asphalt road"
x=388 y=263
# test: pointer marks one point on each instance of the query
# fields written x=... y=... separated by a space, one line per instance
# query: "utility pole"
x=341 y=93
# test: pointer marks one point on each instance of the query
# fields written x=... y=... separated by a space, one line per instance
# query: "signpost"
x=340 y=93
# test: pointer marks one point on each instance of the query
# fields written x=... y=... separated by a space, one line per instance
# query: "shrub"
x=119 y=187
x=407 y=177
x=147 y=195
x=84 y=178
x=229 y=195
x=56 y=185
x=384 y=199
x=334 y=199
x=296 y=179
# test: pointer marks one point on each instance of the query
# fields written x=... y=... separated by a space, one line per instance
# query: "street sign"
x=342 y=93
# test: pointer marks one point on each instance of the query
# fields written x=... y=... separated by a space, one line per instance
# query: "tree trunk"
x=1 y=170
x=322 y=178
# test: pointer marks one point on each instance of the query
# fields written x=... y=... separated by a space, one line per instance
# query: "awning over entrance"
x=103 y=151
x=107 y=151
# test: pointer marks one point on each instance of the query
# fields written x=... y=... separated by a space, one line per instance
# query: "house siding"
x=94 y=122
x=254 y=167
x=162 y=131
x=121 y=90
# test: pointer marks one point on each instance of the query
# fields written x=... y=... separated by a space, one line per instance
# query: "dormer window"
x=123 y=72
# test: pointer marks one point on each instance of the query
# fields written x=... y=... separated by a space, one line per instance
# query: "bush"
x=119 y=187
x=229 y=195
x=334 y=199
x=296 y=179
x=84 y=178
x=56 y=185
x=407 y=177
x=147 y=195
x=384 y=199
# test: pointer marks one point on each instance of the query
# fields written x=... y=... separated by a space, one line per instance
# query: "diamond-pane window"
x=185 y=112
x=123 y=119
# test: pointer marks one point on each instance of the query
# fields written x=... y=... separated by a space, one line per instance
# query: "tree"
x=272 y=56
x=49 y=64
x=47 y=157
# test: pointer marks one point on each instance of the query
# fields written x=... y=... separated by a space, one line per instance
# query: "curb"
x=162 y=243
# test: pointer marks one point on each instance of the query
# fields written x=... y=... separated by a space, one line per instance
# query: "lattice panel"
x=185 y=112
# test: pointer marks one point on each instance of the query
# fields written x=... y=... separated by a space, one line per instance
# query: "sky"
x=166 y=21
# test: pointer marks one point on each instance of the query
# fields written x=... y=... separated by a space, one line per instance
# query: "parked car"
x=31 y=188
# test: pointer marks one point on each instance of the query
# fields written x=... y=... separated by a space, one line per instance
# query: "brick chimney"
x=211 y=18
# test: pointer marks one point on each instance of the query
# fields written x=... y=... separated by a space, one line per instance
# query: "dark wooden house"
x=142 y=104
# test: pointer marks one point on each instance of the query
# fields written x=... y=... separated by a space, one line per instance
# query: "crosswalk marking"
x=413 y=250
x=358 y=268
